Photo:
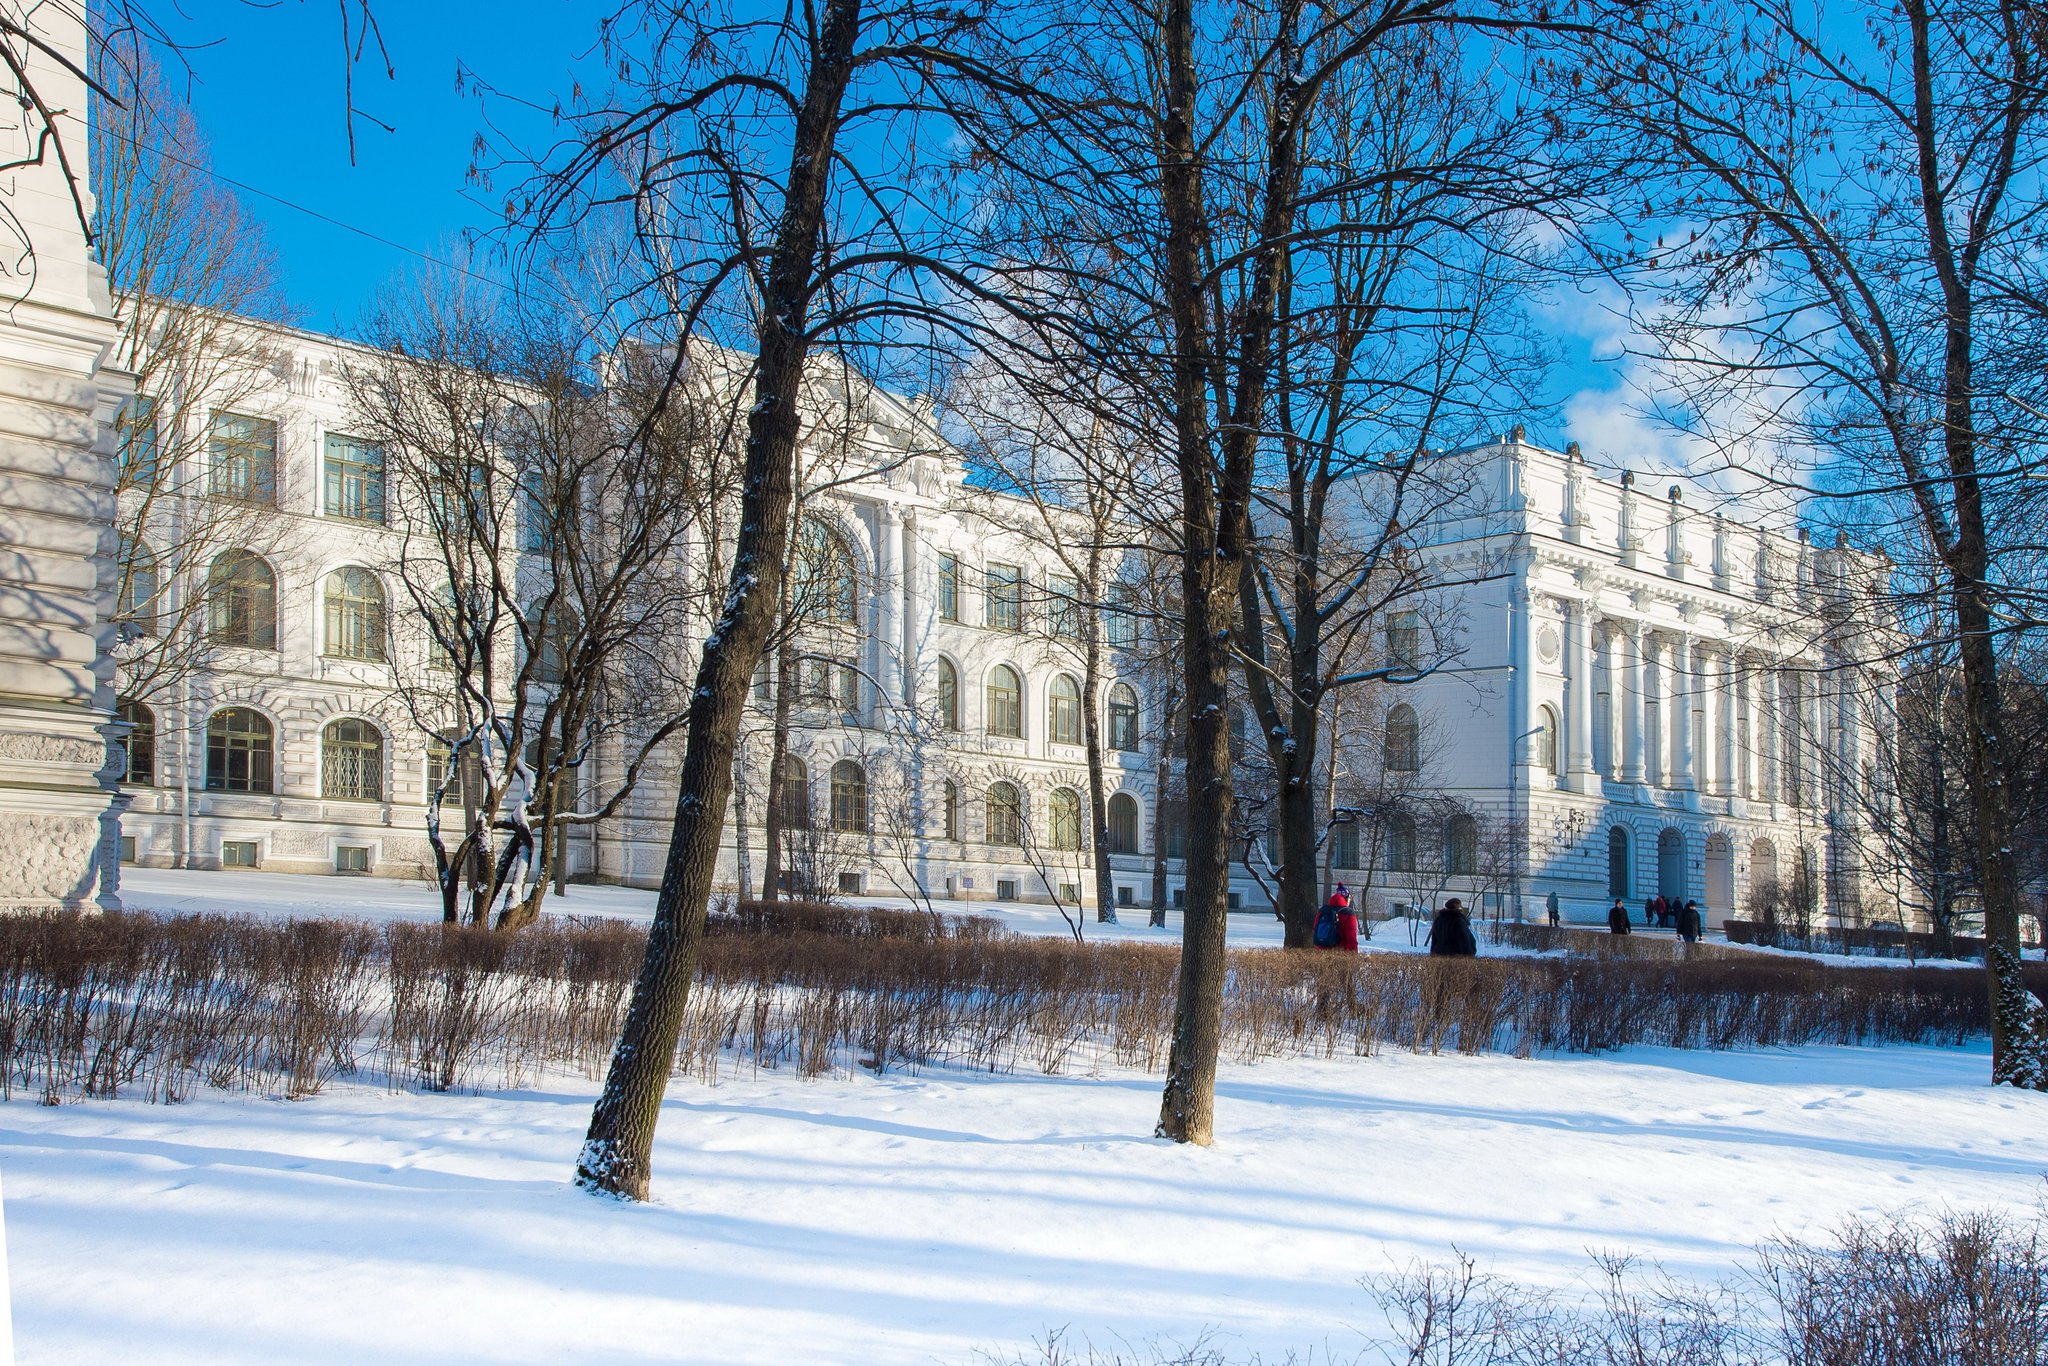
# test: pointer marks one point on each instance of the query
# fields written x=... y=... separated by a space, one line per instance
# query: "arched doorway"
x=1719 y=870
x=1671 y=864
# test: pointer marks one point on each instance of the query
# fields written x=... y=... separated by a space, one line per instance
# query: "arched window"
x=1344 y=844
x=796 y=793
x=1123 y=824
x=1123 y=718
x=1005 y=702
x=1065 y=810
x=355 y=615
x=141 y=744
x=136 y=606
x=950 y=812
x=1401 y=844
x=826 y=588
x=351 y=761
x=1005 y=814
x=849 y=797
x=1545 y=756
x=1617 y=862
x=241 y=601
x=949 y=695
x=238 y=751
x=1404 y=741
x=1461 y=845
x=1063 y=711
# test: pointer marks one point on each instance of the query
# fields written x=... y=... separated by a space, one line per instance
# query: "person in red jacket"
x=1337 y=923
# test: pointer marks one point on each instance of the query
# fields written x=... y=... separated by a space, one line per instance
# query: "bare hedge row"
x=139 y=1004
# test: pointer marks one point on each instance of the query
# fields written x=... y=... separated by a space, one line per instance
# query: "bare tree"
x=1844 y=241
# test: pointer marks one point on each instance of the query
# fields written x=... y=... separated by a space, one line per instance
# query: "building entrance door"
x=1671 y=865
x=1720 y=875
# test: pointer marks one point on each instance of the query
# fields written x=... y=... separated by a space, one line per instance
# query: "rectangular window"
x=140 y=448
x=540 y=514
x=949 y=588
x=238 y=853
x=1404 y=639
x=832 y=683
x=127 y=848
x=1121 y=623
x=1006 y=889
x=1003 y=598
x=1063 y=600
x=849 y=884
x=1235 y=902
x=352 y=479
x=243 y=463
x=351 y=858
x=1070 y=891
x=1125 y=896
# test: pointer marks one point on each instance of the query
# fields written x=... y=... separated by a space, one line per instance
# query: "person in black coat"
x=1617 y=918
x=1689 y=922
x=1450 y=934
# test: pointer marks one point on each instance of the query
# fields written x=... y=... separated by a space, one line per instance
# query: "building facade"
x=1631 y=696
x=58 y=393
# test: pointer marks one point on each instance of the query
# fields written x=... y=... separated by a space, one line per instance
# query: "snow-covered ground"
x=931 y=1218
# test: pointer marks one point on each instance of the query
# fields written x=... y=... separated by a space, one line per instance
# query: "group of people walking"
x=1663 y=912
x=1450 y=934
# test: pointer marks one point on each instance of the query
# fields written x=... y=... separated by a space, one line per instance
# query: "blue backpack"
x=1326 y=928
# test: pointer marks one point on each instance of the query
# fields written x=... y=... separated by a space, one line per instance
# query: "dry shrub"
x=1905 y=1289
x=105 y=1005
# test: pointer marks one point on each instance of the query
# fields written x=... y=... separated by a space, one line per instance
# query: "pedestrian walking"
x=1450 y=935
x=1617 y=918
x=1689 y=922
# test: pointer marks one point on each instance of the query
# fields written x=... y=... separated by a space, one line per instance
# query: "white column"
x=1630 y=643
x=888 y=665
x=1656 y=721
x=1684 y=689
x=1578 y=693
x=1722 y=721
x=1769 y=732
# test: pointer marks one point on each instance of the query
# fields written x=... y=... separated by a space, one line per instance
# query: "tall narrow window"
x=141 y=743
x=1005 y=814
x=849 y=797
x=1401 y=843
x=1404 y=639
x=951 y=810
x=238 y=751
x=949 y=695
x=1005 y=702
x=825 y=587
x=1617 y=861
x=1063 y=711
x=352 y=479
x=949 y=587
x=1065 y=809
x=1344 y=844
x=1063 y=603
x=1123 y=824
x=1120 y=623
x=1003 y=598
x=1404 y=741
x=355 y=615
x=541 y=511
x=440 y=756
x=243 y=459
x=136 y=605
x=1123 y=719
x=351 y=761
x=796 y=793
x=1461 y=845
x=141 y=451
x=1545 y=756
x=241 y=601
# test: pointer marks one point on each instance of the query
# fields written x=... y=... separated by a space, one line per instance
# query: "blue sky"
x=267 y=87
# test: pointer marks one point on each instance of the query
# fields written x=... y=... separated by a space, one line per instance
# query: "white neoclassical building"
x=1643 y=696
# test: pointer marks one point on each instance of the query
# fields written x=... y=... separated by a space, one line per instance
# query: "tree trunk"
x=1162 y=776
x=778 y=767
x=1091 y=736
x=618 y=1149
